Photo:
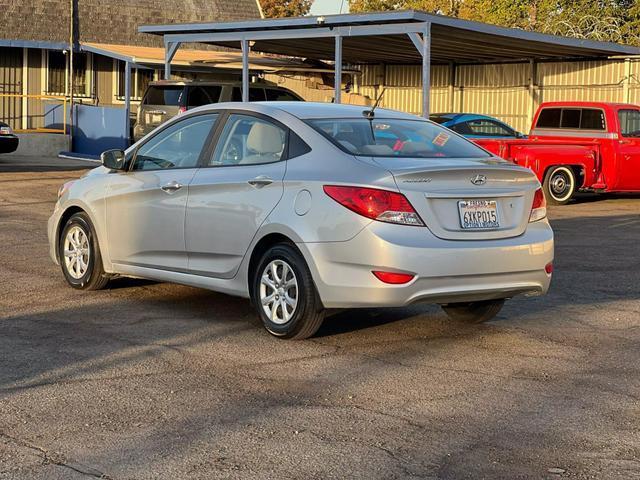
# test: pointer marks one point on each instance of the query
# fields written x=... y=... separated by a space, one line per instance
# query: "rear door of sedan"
x=239 y=184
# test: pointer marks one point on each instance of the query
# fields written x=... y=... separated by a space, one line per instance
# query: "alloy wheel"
x=279 y=291
x=76 y=252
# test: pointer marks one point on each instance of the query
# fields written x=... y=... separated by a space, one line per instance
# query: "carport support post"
x=245 y=70
x=127 y=102
x=426 y=69
x=170 y=49
x=337 y=84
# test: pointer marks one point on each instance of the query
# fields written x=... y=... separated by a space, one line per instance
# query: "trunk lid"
x=436 y=188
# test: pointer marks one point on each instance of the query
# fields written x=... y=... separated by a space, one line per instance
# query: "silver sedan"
x=305 y=207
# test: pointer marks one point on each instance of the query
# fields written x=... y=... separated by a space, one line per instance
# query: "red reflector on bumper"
x=549 y=268
x=393 y=278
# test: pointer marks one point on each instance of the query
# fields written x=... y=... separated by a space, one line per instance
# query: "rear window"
x=439 y=118
x=395 y=138
x=164 y=96
x=572 y=118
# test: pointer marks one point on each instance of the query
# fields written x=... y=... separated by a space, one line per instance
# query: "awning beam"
x=294 y=33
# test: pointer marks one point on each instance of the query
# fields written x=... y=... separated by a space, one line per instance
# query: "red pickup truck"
x=578 y=146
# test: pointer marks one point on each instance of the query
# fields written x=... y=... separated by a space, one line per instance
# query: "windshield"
x=395 y=138
x=629 y=123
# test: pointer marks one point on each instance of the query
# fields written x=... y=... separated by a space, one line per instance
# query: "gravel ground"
x=148 y=380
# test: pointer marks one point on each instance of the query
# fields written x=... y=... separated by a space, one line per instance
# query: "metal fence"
x=35 y=113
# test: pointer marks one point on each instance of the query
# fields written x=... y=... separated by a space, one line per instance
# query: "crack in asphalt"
x=58 y=459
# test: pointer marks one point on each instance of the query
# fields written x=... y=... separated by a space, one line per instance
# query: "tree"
x=606 y=20
x=285 y=8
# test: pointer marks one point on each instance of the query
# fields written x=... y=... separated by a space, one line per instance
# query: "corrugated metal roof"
x=452 y=39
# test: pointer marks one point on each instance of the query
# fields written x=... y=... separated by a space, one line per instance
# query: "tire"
x=559 y=185
x=89 y=274
x=473 y=312
x=304 y=313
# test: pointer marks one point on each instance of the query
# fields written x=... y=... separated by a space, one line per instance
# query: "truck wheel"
x=559 y=185
x=473 y=312
x=285 y=296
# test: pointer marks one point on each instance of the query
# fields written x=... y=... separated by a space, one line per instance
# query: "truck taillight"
x=381 y=205
x=539 y=207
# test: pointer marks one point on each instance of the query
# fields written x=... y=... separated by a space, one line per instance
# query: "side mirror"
x=113 y=159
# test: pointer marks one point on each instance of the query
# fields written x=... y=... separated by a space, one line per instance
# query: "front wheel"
x=559 y=185
x=284 y=294
x=79 y=254
x=473 y=312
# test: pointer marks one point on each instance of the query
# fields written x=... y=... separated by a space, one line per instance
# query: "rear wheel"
x=284 y=294
x=559 y=185
x=79 y=254
x=473 y=312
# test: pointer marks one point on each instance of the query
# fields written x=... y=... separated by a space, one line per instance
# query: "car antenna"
x=370 y=114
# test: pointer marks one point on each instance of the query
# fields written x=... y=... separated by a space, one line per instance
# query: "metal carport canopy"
x=389 y=37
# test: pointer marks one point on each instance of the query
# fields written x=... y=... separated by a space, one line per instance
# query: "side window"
x=489 y=128
x=462 y=128
x=256 y=94
x=203 y=96
x=629 y=122
x=248 y=140
x=178 y=146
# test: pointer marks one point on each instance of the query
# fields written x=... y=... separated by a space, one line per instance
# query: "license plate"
x=153 y=119
x=478 y=214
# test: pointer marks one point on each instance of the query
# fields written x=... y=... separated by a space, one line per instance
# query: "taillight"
x=381 y=205
x=539 y=207
x=393 y=278
x=182 y=110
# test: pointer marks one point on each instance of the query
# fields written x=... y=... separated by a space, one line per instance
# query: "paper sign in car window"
x=441 y=139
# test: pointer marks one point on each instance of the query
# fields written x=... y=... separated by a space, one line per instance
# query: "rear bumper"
x=446 y=271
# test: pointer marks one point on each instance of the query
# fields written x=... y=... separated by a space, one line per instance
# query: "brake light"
x=393 y=278
x=549 y=268
x=182 y=110
x=381 y=205
x=539 y=207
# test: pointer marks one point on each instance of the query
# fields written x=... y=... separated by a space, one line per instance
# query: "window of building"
x=57 y=67
x=140 y=79
x=56 y=72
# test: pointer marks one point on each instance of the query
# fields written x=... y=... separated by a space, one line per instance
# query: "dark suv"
x=165 y=99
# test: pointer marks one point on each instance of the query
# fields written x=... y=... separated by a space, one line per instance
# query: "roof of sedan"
x=306 y=110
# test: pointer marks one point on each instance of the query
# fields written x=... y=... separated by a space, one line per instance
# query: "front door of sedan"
x=146 y=205
x=234 y=192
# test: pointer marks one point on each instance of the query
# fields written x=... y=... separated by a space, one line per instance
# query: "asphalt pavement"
x=159 y=381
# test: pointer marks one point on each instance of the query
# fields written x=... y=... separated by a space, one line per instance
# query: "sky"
x=326 y=7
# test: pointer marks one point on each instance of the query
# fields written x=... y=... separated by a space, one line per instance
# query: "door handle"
x=260 y=181
x=171 y=187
